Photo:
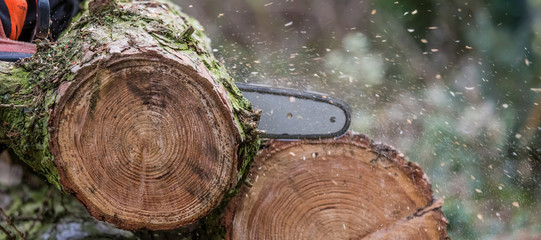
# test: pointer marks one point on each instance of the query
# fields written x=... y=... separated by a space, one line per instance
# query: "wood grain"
x=347 y=188
x=144 y=141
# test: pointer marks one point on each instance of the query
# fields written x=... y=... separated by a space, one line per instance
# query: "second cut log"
x=346 y=188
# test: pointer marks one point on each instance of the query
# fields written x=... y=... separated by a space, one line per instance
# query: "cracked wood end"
x=346 y=188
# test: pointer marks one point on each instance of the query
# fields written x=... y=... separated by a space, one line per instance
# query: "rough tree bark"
x=130 y=112
x=346 y=188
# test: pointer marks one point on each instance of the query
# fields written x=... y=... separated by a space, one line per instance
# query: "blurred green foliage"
x=453 y=84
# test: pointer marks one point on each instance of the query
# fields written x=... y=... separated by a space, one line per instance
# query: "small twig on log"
x=187 y=32
x=11 y=223
x=12 y=106
x=8 y=235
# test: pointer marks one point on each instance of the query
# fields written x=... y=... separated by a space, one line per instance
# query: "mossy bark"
x=32 y=91
x=24 y=113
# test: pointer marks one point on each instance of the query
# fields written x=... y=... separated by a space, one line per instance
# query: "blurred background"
x=455 y=85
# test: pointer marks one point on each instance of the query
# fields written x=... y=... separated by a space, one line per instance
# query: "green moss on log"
x=24 y=115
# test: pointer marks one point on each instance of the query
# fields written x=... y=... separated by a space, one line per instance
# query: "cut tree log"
x=346 y=188
x=131 y=113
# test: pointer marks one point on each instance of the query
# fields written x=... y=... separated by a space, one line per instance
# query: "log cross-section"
x=346 y=188
x=130 y=112
x=135 y=142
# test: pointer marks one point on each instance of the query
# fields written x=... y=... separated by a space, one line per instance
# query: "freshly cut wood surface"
x=135 y=142
x=346 y=188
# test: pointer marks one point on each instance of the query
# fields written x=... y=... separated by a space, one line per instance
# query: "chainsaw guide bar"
x=294 y=114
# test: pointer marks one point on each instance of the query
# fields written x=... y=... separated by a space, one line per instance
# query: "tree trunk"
x=130 y=112
x=346 y=188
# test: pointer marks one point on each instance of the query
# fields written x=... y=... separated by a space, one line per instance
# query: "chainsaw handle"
x=11 y=51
